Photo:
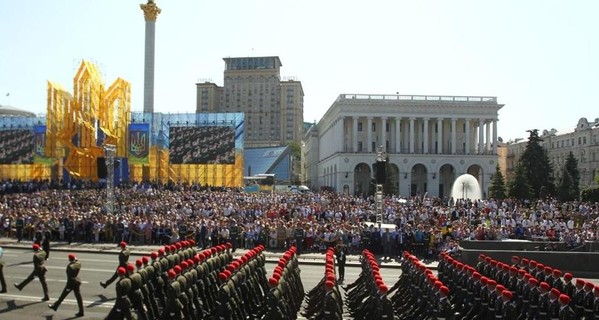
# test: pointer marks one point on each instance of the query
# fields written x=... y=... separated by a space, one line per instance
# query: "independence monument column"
x=151 y=12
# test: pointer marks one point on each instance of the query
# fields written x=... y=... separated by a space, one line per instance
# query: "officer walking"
x=2 y=280
x=73 y=284
x=39 y=270
x=122 y=304
x=341 y=258
x=123 y=260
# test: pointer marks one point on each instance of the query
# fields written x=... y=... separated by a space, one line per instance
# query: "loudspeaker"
x=102 y=170
x=380 y=172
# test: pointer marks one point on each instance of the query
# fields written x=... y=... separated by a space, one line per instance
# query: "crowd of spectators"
x=160 y=214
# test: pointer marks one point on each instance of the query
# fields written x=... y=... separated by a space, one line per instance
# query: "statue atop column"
x=150 y=10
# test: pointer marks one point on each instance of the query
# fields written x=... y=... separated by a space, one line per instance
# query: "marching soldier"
x=73 y=284
x=565 y=311
x=2 y=280
x=135 y=294
x=578 y=298
x=509 y=307
x=589 y=300
x=341 y=258
x=122 y=304
x=123 y=259
x=39 y=270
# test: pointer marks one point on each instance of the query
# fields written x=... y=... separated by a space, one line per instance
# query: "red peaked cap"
x=72 y=256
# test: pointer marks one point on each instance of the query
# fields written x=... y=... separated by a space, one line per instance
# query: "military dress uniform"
x=39 y=271
x=73 y=284
x=123 y=260
x=2 y=280
x=122 y=304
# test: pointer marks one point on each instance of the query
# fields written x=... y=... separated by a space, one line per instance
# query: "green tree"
x=519 y=187
x=537 y=168
x=569 y=187
x=497 y=188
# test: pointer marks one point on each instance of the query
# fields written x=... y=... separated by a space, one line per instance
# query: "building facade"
x=429 y=141
x=583 y=142
x=274 y=109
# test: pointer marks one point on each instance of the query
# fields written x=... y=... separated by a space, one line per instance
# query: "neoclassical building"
x=429 y=141
x=582 y=141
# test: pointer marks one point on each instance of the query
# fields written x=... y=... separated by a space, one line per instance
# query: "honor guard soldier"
x=565 y=311
x=589 y=300
x=135 y=294
x=122 y=304
x=544 y=302
x=509 y=307
x=578 y=298
x=569 y=287
x=2 y=280
x=596 y=303
x=445 y=307
x=554 y=304
x=123 y=259
x=39 y=271
x=73 y=284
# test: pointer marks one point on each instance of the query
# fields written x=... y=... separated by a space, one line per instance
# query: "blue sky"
x=540 y=58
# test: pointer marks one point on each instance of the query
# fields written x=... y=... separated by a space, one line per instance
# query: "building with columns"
x=429 y=141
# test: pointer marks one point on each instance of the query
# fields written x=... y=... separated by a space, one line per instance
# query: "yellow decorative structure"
x=73 y=122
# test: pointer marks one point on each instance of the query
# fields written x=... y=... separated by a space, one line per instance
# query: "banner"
x=39 y=145
x=139 y=143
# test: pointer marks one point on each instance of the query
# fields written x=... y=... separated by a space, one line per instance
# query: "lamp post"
x=380 y=181
x=110 y=150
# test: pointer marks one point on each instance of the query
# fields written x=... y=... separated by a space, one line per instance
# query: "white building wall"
x=343 y=147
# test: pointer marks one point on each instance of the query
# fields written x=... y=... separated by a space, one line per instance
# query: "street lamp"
x=110 y=151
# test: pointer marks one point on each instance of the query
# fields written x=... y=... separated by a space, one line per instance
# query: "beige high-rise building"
x=274 y=109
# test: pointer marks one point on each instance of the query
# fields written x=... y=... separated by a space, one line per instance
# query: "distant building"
x=583 y=142
x=429 y=141
x=274 y=109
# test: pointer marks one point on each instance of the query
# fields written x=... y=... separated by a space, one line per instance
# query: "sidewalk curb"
x=270 y=257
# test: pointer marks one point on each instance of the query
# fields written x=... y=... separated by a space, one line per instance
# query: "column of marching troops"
x=525 y=289
x=177 y=282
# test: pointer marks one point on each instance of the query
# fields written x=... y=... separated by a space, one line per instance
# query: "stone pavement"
x=110 y=248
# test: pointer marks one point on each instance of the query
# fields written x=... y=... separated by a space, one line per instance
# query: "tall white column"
x=425 y=144
x=398 y=135
x=355 y=135
x=453 y=135
x=481 y=135
x=412 y=137
x=369 y=135
x=488 y=140
x=494 y=136
x=383 y=134
x=467 y=144
x=439 y=135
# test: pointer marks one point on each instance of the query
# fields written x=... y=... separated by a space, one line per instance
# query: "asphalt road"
x=27 y=304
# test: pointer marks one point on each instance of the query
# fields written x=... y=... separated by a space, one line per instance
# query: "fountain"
x=466 y=187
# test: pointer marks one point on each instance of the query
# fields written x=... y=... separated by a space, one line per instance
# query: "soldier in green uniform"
x=2 y=280
x=173 y=306
x=135 y=294
x=73 y=284
x=147 y=293
x=122 y=304
x=123 y=259
x=39 y=270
